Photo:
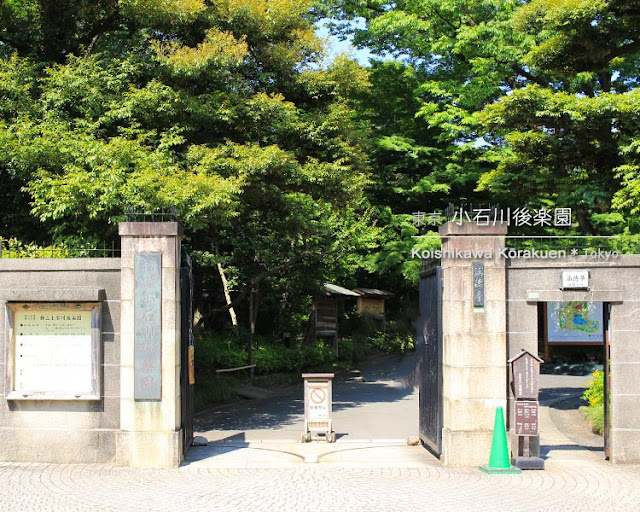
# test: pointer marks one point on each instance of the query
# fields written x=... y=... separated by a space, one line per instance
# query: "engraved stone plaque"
x=148 y=326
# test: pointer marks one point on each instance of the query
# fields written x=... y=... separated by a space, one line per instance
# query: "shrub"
x=595 y=396
x=215 y=350
x=277 y=359
x=595 y=392
x=596 y=418
x=318 y=355
x=211 y=389
x=394 y=341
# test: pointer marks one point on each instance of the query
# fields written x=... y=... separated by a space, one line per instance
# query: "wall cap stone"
x=58 y=264
x=150 y=229
x=52 y=294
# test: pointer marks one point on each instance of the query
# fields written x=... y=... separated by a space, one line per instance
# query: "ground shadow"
x=389 y=379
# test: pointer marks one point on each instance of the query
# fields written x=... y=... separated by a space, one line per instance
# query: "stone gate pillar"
x=150 y=419
x=474 y=339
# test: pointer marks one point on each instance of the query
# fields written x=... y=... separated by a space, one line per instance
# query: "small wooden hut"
x=326 y=311
x=371 y=306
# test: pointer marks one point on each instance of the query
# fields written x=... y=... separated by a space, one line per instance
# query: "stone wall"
x=474 y=343
x=616 y=281
x=63 y=430
x=110 y=422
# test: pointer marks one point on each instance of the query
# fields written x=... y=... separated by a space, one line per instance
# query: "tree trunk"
x=227 y=296
x=252 y=327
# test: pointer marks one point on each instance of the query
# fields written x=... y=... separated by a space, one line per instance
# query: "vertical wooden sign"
x=148 y=326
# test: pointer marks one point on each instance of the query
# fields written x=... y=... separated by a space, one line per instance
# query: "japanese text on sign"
x=526 y=418
x=148 y=340
x=575 y=279
x=318 y=402
x=542 y=217
x=53 y=352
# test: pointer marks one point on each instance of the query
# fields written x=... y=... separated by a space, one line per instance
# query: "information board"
x=526 y=418
x=575 y=322
x=525 y=370
x=53 y=352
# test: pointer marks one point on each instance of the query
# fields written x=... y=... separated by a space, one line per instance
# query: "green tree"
x=219 y=110
x=545 y=89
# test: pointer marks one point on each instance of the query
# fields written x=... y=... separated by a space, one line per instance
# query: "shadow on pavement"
x=387 y=380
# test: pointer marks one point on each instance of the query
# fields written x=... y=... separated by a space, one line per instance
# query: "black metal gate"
x=429 y=347
x=186 y=345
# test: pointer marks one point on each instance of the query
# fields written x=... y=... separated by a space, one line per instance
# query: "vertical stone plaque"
x=478 y=284
x=148 y=326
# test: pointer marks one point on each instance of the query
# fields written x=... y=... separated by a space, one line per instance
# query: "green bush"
x=277 y=359
x=595 y=396
x=595 y=393
x=393 y=341
x=596 y=418
x=211 y=389
x=318 y=356
x=216 y=350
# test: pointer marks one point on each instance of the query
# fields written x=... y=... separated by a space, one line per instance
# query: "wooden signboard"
x=525 y=374
x=526 y=418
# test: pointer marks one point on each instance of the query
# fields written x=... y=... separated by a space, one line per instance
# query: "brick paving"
x=574 y=484
x=357 y=476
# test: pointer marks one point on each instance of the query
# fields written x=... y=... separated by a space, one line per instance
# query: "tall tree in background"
x=220 y=110
x=547 y=90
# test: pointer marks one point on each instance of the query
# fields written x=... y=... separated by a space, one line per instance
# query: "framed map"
x=575 y=322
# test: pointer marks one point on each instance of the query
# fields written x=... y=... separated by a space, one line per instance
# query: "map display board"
x=53 y=353
x=575 y=322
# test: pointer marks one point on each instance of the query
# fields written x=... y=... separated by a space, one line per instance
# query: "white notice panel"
x=53 y=352
x=318 y=401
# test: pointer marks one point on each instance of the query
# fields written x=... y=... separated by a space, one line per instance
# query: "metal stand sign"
x=317 y=406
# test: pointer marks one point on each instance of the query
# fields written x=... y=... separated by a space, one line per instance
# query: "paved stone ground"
x=572 y=485
x=356 y=476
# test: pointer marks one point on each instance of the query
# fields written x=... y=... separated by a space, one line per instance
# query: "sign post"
x=317 y=407
x=525 y=377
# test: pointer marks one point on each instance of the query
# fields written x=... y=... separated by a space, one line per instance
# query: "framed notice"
x=54 y=351
x=575 y=322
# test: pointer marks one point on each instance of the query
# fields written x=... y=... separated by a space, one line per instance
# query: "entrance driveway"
x=383 y=407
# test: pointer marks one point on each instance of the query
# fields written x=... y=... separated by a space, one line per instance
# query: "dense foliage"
x=287 y=169
x=219 y=110
x=536 y=102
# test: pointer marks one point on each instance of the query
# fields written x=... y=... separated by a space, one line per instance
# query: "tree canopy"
x=219 y=110
x=545 y=89
x=287 y=169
